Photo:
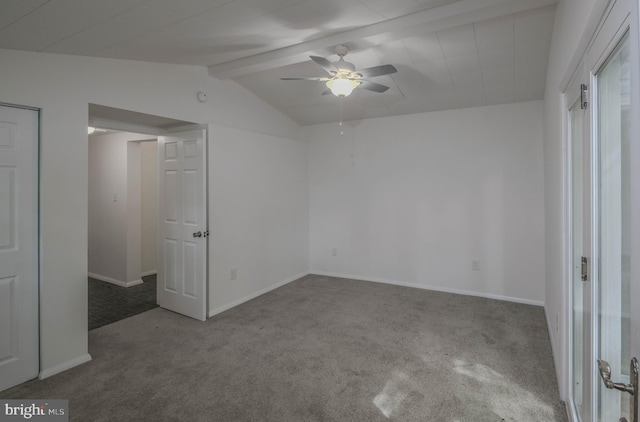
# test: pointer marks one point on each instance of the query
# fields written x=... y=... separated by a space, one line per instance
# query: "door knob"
x=605 y=373
x=197 y=234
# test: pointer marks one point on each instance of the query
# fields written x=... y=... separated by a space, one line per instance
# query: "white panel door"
x=182 y=223
x=19 y=355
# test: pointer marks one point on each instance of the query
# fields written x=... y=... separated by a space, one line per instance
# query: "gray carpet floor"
x=319 y=349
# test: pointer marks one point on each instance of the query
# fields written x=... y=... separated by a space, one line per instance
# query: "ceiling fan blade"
x=305 y=79
x=372 y=86
x=326 y=92
x=325 y=64
x=370 y=72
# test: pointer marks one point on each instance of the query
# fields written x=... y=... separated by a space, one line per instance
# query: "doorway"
x=136 y=260
x=122 y=181
x=601 y=275
x=122 y=217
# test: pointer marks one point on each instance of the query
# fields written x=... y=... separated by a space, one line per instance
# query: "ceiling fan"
x=344 y=76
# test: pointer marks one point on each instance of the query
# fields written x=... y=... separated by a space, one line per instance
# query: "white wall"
x=115 y=207
x=414 y=199
x=133 y=217
x=572 y=17
x=258 y=214
x=63 y=86
x=107 y=206
x=149 y=182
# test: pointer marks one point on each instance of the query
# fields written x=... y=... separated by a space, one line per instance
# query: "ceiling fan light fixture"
x=342 y=87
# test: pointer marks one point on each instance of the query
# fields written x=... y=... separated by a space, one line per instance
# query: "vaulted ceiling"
x=449 y=53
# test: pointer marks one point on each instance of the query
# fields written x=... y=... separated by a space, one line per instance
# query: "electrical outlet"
x=334 y=251
x=233 y=274
x=475 y=265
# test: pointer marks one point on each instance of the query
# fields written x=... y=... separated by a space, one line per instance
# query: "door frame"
x=574 y=74
x=596 y=47
x=610 y=33
x=570 y=100
x=635 y=172
x=158 y=131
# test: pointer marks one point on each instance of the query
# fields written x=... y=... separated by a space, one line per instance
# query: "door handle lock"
x=197 y=234
x=605 y=373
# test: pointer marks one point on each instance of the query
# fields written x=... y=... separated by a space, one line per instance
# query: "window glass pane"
x=613 y=129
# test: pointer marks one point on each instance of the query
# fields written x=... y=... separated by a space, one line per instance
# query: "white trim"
x=635 y=174
x=564 y=368
x=589 y=33
x=554 y=348
x=46 y=373
x=254 y=295
x=594 y=252
x=433 y=288
x=114 y=281
x=610 y=33
x=24 y=107
x=563 y=372
x=148 y=273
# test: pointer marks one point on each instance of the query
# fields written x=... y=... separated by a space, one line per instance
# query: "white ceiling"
x=449 y=53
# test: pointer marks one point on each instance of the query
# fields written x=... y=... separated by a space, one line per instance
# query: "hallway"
x=109 y=303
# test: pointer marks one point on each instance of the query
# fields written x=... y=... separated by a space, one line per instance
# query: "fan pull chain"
x=340 y=99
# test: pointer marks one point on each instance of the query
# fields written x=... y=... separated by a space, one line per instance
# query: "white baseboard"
x=148 y=273
x=114 y=281
x=557 y=351
x=254 y=295
x=432 y=287
x=46 y=373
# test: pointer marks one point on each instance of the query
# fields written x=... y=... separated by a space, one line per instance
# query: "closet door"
x=19 y=354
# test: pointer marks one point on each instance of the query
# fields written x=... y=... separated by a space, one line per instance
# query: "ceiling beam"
x=427 y=21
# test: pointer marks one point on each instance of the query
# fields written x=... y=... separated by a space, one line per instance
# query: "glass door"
x=612 y=130
x=605 y=226
x=580 y=247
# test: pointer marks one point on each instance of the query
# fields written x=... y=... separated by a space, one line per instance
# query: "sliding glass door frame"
x=618 y=18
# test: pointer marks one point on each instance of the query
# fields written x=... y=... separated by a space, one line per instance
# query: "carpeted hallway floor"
x=109 y=303
x=319 y=349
